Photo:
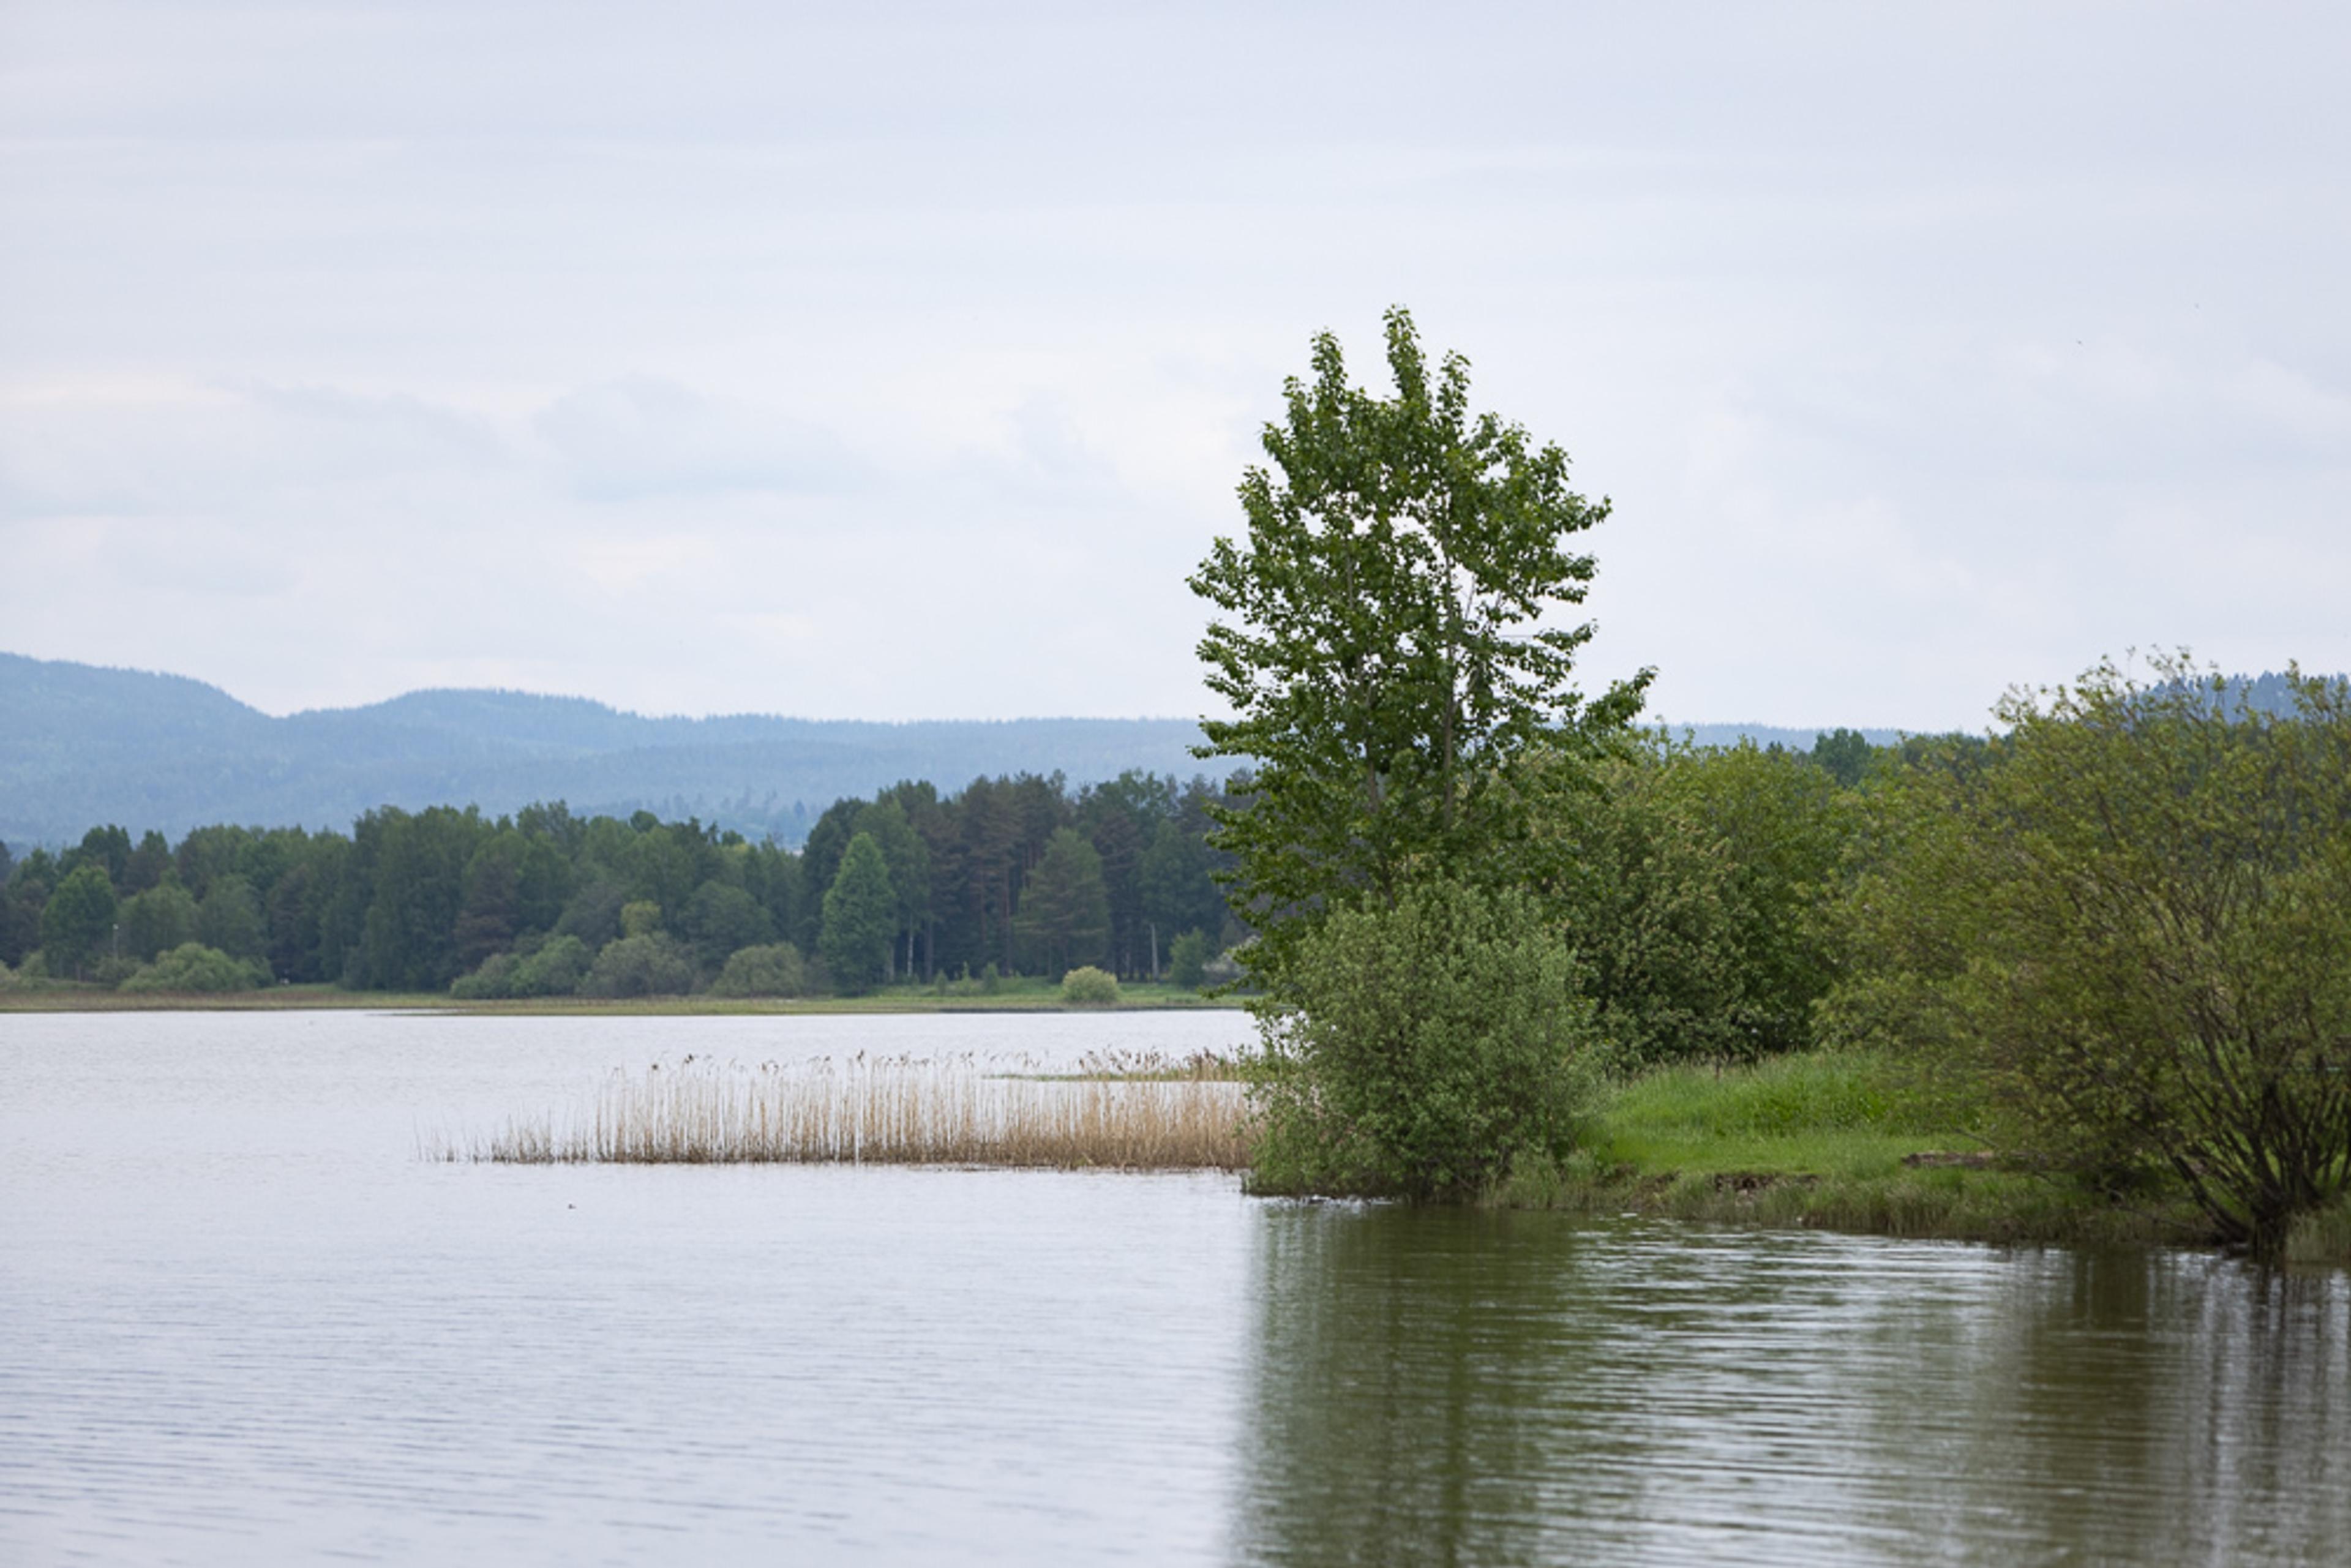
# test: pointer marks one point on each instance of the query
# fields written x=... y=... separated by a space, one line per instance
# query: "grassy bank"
x=1012 y=996
x=1827 y=1142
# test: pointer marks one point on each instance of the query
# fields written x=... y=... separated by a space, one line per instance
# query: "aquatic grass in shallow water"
x=888 y=1111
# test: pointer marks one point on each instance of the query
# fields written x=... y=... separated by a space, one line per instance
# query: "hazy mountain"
x=81 y=746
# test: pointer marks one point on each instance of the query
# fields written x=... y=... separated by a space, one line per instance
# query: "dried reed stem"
x=891 y=1110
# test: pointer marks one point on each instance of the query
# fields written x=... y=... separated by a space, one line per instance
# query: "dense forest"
x=1011 y=874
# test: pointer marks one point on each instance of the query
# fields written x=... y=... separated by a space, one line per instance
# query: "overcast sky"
x=899 y=361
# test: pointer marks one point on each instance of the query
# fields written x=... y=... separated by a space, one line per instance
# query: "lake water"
x=243 y=1322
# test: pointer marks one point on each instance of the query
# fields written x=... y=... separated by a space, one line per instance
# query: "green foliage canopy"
x=1088 y=986
x=1384 y=637
x=78 y=925
x=195 y=968
x=157 y=921
x=771 y=970
x=2133 y=928
x=859 y=917
x=1064 y=914
x=1436 y=1041
x=1698 y=885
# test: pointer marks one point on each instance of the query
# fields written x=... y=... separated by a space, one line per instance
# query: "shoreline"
x=51 y=998
x=1812 y=1142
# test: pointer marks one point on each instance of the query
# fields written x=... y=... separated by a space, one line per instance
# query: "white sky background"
x=893 y=362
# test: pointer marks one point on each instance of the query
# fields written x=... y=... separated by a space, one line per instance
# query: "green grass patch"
x=1826 y=1141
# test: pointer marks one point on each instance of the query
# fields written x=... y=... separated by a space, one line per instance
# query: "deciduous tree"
x=1387 y=637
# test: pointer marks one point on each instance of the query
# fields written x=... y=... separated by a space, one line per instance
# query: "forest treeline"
x=1014 y=875
x=1019 y=874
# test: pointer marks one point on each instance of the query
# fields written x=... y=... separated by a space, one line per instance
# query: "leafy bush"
x=1700 y=891
x=1187 y=959
x=495 y=978
x=651 y=966
x=192 y=966
x=772 y=970
x=722 y=919
x=2131 y=929
x=553 y=968
x=1433 y=1044
x=556 y=969
x=1088 y=986
x=113 y=971
x=158 y=920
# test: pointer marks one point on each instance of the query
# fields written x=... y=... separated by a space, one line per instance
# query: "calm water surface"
x=243 y=1322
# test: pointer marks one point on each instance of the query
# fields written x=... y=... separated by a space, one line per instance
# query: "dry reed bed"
x=957 y=1111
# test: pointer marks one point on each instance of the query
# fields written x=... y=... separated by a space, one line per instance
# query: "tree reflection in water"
x=1445 y=1387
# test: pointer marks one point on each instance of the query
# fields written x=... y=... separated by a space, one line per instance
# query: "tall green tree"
x=229 y=919
x=1387 y=637
x=77 y=926
x=721 y=919
x=156 y=921
x=1177 y=893
x=30 y=882
x=859 y=917
x=1064 y=913
x=147 y=865
x=908 y=860
x=108 y=848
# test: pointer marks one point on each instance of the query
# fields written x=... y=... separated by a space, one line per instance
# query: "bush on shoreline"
x=1433 y=1046
x=1087 y=986
x=194 y=967
x=776 y=969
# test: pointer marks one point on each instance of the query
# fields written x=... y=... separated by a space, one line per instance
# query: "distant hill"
x=81 y=746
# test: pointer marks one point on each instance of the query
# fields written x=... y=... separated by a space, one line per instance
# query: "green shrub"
x=553 y=967
x=2128 y=928
x=555 y=970
x=114 y=968
x=1087 y=986
x=1432 y=1044
x=192 y=966
x=652 y=966
x=1698 y=890
x=158 y=920
x=772 y=970
x=1187 y=959
x=494 y=979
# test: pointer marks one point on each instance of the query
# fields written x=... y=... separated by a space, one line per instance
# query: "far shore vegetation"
x=2085 y=978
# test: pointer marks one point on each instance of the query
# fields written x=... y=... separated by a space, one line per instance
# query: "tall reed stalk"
x=888 y=1111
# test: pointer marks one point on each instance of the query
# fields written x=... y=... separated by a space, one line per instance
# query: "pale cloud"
x=642 y=435
x=901 y=361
